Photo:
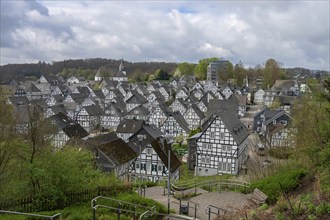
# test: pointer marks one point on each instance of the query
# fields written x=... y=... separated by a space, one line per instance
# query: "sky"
x=294 y=33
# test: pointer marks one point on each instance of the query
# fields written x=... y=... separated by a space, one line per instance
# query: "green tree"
x=239 y=74
x=312 y=140
x=161 y=75
x=201 y=68
x=272 y=72
x=186 y=68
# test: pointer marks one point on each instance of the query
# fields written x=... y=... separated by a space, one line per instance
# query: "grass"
x=84 y=210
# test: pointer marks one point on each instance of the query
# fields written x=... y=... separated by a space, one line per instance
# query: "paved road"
x=230 y=201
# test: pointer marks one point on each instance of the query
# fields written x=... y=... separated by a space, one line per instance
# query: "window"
x=209 y=146
x=222 y=135
x=154 y=167
x=229 y=148
x=205 y=159
x=204 y=146
x=159 y=167
x=137 y=166
x=149 y=151
x=223 y=148
x=212 y=134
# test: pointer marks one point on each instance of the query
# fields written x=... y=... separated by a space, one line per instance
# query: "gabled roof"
x=159 y=143
x=159 y=96
x=198 y=111
x=129 y=126
x=58 y=98
x=232 y=123
x=281 y=85
x=113 y=106
x=117 y=93
x=99 y=94
x=58 y=109
x=275 y=116
x=113 y=148
x=138 y=111
x=139 y=98
x=84 y=91
x=70 y=128
x=61 y=119
x=215 y=105
x=240 y=99
x=93 y=110
x=181 y=121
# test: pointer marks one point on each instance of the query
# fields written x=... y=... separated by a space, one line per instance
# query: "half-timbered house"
x=66 y=129
x=175 y=125
x=112 y=154
x=128 y=127
x=193 y=116
x=222 y=145
x=152 y=162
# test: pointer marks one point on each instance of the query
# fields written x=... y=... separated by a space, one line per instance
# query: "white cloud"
x=294 y=33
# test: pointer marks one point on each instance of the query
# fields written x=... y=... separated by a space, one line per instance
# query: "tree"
x=201 y=68
x=161 y=75
x=239 y=73
x=272 y=72
x=312 y=140
x=186 y=68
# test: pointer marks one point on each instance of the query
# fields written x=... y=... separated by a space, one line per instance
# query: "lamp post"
x=140 y=137
x=168 y=139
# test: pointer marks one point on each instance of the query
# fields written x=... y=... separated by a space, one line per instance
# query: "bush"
x=281 y=152
x=282 y=182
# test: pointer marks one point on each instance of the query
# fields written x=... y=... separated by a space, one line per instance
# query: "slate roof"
x=70 y=128
x=99 y=94
x=58 y=109
x=232 y=123
x=141 y=111
x=156 y=139
x=94 y=110
x=180 y=120
x=83 y=90
x=198 y=111
x=216 y=105
x=114 y=148
x=139 y=98
x=159 y=96
x=129 y=126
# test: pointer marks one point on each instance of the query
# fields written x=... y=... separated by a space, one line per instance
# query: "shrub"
x=281 y=152
x=284 y=181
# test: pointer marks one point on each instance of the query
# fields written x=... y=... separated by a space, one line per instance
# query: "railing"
x=209 y=210
x=34 y=215
x=119 y=208
x=209 y=184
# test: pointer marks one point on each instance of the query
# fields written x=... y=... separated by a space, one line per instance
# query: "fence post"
x=209 y=213
x=195 y=187
x=180 y=206
x=118 y=210
x=94 y=209
x=195 y=210
x=209 y=185
x=134 y=213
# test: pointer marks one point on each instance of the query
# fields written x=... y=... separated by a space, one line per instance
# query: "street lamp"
x=168 y=139
x=141 y=137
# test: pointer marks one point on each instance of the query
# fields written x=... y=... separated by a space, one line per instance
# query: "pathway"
x=231 y=201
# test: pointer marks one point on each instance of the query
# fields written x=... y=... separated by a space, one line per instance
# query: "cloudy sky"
x=295 y=33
